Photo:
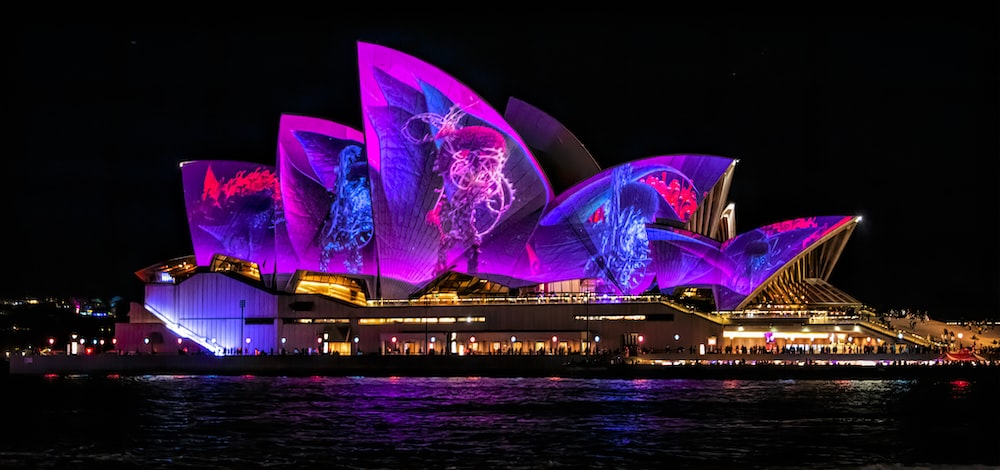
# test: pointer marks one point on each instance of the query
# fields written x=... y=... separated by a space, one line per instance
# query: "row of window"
x=447 y=320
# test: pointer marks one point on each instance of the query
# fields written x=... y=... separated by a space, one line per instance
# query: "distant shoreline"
x=758 y=367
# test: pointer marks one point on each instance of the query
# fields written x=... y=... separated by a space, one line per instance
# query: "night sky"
x=891 y=117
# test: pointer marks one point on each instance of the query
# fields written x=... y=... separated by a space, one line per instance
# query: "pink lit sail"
x=453 y=186
x=230 y=208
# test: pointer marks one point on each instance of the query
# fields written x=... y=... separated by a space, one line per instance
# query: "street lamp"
x=243 y=305
x=587 y=313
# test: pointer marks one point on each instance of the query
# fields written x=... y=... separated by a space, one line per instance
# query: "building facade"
x=444 y=227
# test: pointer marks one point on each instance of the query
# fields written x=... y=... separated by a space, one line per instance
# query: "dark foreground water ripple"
x=189 y=422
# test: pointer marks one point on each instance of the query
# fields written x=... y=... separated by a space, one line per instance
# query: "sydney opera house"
x=444 y=227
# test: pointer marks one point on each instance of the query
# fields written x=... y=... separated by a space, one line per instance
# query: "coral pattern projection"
x=597 y=229
x=325 y=222
x=230 y=207
x=439 y=182
x=753 y=257
x=454 y=188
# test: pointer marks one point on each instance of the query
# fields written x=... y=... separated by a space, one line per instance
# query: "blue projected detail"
x=623 y=251
x=347 y=225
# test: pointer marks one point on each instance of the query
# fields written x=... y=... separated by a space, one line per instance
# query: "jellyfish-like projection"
x=474 y=192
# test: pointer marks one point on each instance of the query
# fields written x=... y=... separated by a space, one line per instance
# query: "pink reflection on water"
x=959 y=388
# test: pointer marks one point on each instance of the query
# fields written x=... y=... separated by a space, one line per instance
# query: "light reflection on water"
x=374 y=422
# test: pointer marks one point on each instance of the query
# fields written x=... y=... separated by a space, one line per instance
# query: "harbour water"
x=274 y=422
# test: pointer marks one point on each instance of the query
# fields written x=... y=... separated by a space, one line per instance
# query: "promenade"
x=709 y=366
x=962 y=336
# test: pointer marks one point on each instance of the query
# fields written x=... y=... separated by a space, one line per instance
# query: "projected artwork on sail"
x=230 y=208
x=453 y=186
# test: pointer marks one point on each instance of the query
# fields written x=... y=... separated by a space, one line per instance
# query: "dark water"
x=356 y=422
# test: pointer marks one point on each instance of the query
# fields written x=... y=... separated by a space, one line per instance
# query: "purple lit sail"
x=326 y=207
x=681 y=181
x=598 y=227
x=453 y=186
x=230 y=208
x=474 y=192
x=753 y=257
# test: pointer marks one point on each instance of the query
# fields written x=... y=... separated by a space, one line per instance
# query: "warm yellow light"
x=760 y=334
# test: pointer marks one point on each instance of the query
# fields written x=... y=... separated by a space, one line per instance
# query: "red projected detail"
x=597 y=216
x=240 y=185
x=682 y=198
x=533 y=262
x=776 y=228
x=433 y=217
